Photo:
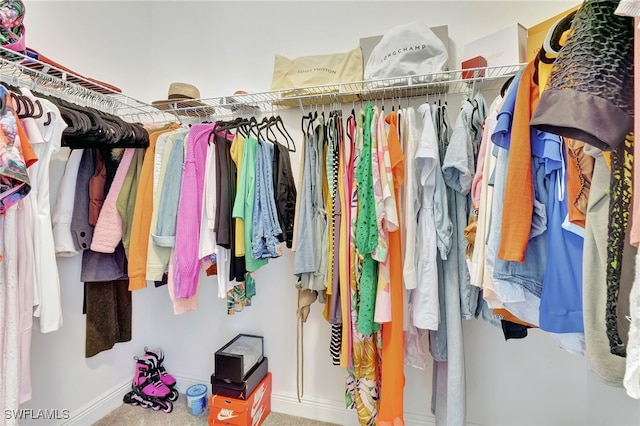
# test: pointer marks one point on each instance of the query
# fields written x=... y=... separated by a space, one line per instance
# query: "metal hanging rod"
x=19 y=70
x=448 y=82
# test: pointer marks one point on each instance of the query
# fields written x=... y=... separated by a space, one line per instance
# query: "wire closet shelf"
x=467 y=81
x=20 y=70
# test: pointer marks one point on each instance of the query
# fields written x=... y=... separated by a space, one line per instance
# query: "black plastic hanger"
x=351 y=119
x=23 y=105
x=311 y=117
x=291 y=144
x=506 y=85
x=276 y=121
x=40 y=110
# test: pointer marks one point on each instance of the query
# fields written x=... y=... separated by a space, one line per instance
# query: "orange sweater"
x=142 y=212
x=518 y=194
x=391 y=412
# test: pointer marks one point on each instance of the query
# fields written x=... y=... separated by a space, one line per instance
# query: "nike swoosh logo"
x=223 y=417
x=257 y=400
x=256 y=420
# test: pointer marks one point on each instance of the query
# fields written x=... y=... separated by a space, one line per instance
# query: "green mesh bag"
x=589 y=96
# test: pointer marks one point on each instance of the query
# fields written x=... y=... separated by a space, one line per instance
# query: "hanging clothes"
x=65 y=244
x=26 y=288
x=389 y=221
x=366 y=228
x=98 y=267
x=9 y=316
x=621 y=193
x=15 y=183
x=187 y=272
x=140 y=226
x=107 y=300
x=347 y=159
x=244 y=208
x=425 y=303
x=334 y=313
x=264 y=240
x=169 y=164
x=207 y=251
x=164 y=233
x=362 y=384
x=410 y=204
x=482 y=194
x=231 y=266
x=457 y=170
x=108 y=230
x=237 y=155
x=516 y=285
x=329 y=189
x=320 y=221
x=45 y=146
x=309 y=263
x=392 y=366
x=127 y=199
x=97 y=185
x=285 y=192
x=438 y=339
x=608 y=367
x=416 y=341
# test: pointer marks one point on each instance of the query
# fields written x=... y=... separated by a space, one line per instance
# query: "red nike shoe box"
x=242 y=412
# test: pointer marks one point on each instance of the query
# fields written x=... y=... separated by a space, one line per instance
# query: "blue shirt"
x=561 y=299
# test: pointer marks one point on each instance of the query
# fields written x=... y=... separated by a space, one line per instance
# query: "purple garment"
x=187 y=263
x=80 y=229
x=101 y=267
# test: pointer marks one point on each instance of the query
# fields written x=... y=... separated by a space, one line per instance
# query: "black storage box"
x=243 y=389
x=236 y=359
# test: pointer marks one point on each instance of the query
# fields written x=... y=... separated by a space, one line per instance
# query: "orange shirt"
x=141 y=226
x=518 y=193
x=392 y=381
x=29 y=155
x=508 y=316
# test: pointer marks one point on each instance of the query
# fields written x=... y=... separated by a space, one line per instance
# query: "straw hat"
x=183 y=97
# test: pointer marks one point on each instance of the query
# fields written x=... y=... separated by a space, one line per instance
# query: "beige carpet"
x=129 y=415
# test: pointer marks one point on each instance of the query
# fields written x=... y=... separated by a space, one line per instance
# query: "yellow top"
x=237 y=150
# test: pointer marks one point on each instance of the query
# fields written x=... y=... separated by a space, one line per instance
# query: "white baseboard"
x=182 y=383
x=312 y=408
x=331 y=411
x=334 y=411
x=100 y=406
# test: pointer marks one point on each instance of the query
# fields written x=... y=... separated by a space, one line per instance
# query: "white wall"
x=222 y=47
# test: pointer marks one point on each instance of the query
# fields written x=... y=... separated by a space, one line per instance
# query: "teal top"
x=244 y=202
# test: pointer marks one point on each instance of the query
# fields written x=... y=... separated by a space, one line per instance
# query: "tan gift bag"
x=316 y=70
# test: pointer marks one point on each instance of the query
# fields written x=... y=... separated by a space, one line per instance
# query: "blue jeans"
x=266 y=228
x=519 y=285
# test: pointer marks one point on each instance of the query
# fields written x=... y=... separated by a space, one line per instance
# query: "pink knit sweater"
x=187 y=264
x=108 y=231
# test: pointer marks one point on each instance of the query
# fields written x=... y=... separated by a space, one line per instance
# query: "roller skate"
x=166 y=378
x=147 y=390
